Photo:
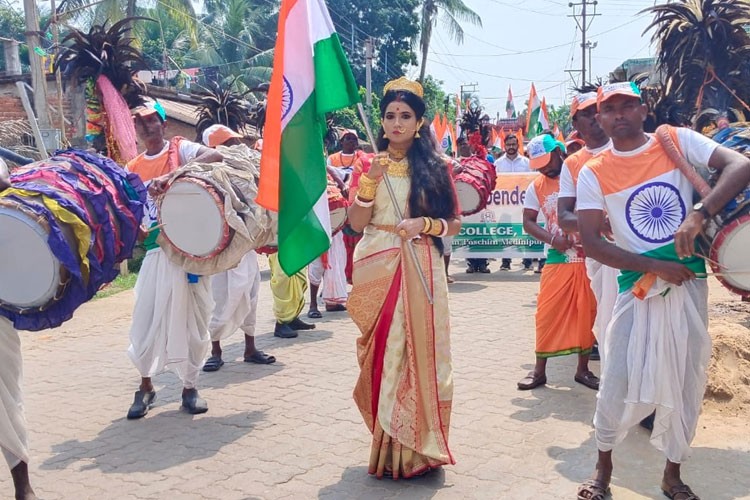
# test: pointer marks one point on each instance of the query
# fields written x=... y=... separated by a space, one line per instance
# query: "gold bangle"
x=437 y=227
x=367 y=181
x=367 y=191
x=426 y=225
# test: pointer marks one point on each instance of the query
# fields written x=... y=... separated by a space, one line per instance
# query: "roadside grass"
x=120 y=284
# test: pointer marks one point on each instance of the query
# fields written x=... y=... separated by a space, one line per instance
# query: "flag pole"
x=394 y=202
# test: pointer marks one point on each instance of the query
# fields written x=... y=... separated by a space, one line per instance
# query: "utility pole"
x=583 y=20
x=38 y=81
x=368 y=71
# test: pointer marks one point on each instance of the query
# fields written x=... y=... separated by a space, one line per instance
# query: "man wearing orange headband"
x=657 y=345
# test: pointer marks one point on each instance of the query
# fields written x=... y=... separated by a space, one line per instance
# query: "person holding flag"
x=405 y=336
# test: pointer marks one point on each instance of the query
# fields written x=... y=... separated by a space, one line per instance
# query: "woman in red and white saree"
x=405 y=388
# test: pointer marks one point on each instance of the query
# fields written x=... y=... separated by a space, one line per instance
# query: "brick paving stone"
x=291 y=431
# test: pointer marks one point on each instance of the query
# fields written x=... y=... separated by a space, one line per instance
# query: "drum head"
x=730 y=250
x=29 y=272
x=193 y=219
x=338 y=219
x=469 y=199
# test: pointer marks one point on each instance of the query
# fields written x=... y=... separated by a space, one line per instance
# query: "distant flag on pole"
x=558 y=134
x=533 y=125
x=510 y=108
x=311 y=77
x=519 y=136
x=544 y=116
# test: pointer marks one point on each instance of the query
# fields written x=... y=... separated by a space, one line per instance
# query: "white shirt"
x=696 y=148
x=567 y=186
x=519 y=164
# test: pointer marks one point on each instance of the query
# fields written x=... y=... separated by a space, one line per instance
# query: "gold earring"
x=416 y=135
x=385 y=136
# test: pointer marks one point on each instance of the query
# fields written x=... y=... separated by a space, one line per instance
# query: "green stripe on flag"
x=302 y=182
x=335 y=87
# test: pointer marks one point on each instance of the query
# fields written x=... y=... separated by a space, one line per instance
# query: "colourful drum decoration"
x=337 y=207
x=65 y=225
x=191 y=217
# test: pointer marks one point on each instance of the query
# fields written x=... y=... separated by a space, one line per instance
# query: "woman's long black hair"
x=432 y=193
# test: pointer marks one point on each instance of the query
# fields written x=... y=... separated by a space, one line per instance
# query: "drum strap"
x=664 y=136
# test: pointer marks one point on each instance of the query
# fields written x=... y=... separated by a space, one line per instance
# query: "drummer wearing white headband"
x=657 y=346
x=172 y=308
x=235 y=292
x=13 y=438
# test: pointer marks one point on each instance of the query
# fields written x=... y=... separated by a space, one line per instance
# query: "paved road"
x=290 y=430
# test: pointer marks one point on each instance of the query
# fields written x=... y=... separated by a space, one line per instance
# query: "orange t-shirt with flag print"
x=645 y=195
x=541 y=196
x=572 y=167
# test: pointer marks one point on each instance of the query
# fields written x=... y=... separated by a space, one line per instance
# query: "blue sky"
x=489 y=55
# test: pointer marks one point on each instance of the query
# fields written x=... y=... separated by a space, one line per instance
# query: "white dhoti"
x=657 y=353
x=235 y=294
x=13 y=438
x=170 y=320
x=604 y=285
x=331 y=276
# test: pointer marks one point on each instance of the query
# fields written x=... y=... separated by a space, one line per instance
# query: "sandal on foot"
x=298 y=324
x=260 y=357
x=314 y=314
x=449 y=280
x=593 y=489
x=589 y=380
x=679 y=489
x=142 y=402
x=213 y=364
x=336 y=308
x=531 y=381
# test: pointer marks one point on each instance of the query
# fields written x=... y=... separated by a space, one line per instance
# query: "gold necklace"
x=396 y=154
x=395 y=168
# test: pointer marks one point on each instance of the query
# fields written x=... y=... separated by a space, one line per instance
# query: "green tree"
x=560 y=115
x=392 y=28
x=452 y=13
x=12 y=26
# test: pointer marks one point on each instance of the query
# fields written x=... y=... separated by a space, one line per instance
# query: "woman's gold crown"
x=404 y=83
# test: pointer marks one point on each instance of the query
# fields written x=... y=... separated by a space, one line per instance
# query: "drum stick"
x=154 y=228
x=392 y=194
x=727 y=273
x=709 y=260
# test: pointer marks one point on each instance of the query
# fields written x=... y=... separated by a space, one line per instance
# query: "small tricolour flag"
x=311 y=77
x=510 y=108
x=532 y=114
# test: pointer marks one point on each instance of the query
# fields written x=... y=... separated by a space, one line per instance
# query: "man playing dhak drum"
x=657 y=345
x=13 y=439
x=566 y=306
x=235 y=292
x=172 y=308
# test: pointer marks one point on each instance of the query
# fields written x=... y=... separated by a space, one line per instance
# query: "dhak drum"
x=58 y=243
x=730 y=239
x=474 y=184
x=191 y=217
x=337 y=207
x=31 y=276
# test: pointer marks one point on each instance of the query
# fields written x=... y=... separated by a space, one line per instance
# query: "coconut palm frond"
x=221 y=104
x=703 y=51
x=104 y=51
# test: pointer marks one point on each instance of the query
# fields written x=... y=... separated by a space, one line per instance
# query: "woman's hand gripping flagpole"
x=386 y=180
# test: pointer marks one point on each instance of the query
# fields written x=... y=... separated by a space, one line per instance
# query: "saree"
x=405 y=387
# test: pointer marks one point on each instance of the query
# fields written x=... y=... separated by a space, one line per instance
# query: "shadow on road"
x=154 y=443
x=639 y=466
x=356 y=483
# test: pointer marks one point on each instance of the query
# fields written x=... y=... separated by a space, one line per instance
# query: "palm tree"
x=451 y=12
x=704 y=57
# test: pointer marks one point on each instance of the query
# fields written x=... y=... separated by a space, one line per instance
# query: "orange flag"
x=519 y=136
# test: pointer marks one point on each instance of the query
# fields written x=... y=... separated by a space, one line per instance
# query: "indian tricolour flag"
x=544 y=116
x=510 y=108
x=533 y=125
x=311 y=77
